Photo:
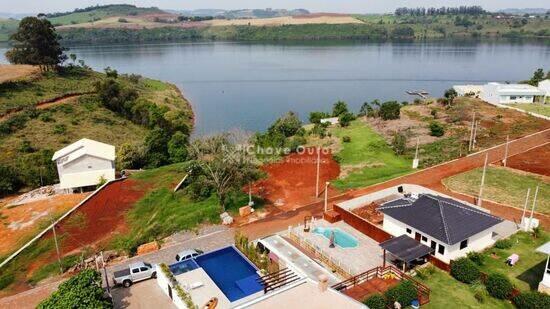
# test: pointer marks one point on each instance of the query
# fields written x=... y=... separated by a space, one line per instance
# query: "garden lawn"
x=504 y=186
x=541 y=109
x=527 y=273
x=366 y=159
x=446 y=292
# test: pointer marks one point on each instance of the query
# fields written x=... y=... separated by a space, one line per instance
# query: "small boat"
x=211 y=304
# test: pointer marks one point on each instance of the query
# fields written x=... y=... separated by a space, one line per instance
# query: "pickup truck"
x=135 y=272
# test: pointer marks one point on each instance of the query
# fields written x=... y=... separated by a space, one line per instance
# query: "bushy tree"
x=345 y=119
x=436 y=129
x=339 y=108
x=9 y=182
x=390 y=110
x=464 y=270
x=315 y=117
x=81 y=291
x=376 y=301
x=156 y=148
x=399 y=143
x=404 y=293
x=538 y=76
x=499 y=286
x=532 y=300
x=403 y=32
x=177 y=147
x=36 y=43
x=288 y=125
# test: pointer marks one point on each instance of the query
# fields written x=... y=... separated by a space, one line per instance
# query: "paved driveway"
x=145 y=294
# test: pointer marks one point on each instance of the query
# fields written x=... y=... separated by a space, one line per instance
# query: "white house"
x=544 y=86
x=331 y=121
x=544 y=285
x=84 y=163
x=497 y=93
x=468 y=90
x=449 y=227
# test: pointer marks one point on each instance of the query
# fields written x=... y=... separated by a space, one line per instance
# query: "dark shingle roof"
x=405 y=248
x=442 y=218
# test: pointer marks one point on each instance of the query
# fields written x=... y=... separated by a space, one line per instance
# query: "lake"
x=249 y=85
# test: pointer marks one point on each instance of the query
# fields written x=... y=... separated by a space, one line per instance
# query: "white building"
x=497 y=93
x=544 y=86
x=468 y=90
x=544 y=285
x=449 y=227
x=84 y=163
x=331 y=121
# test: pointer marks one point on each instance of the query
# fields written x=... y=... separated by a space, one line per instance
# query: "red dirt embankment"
x=535 y=161
x=290 y=183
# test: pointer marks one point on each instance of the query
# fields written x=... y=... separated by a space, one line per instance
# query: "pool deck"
x=365 y=256
x=203 y=294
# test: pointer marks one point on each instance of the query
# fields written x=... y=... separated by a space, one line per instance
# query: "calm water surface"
x=247 y=86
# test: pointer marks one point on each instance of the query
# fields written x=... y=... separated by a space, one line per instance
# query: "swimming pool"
x=341 y=238
x=232 y=272
x=183 y=267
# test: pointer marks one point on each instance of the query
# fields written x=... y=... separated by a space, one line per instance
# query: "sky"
x=341 y=6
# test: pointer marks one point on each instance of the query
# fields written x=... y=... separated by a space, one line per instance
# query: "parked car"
x=135 y=272
x=188 y=254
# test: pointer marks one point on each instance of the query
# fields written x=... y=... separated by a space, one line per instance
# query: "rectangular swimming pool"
x=233 y=273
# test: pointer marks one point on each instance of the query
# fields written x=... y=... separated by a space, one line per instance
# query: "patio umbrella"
x=331 y=240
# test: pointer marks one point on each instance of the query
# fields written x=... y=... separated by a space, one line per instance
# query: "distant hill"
x=535 y=11
x=7 y=27
x=95 y=13
x=243 y=13
x=5 y=15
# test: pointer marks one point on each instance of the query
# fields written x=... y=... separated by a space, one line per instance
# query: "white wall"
x=85 y=171
x=163 y=283
x=476 y=242
x=507 y=99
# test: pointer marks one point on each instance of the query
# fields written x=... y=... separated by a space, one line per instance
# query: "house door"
x=417 y=236
x=433 y=245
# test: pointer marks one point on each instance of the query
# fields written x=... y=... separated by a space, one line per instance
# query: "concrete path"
x=142 y=295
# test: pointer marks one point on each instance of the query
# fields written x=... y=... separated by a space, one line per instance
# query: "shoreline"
x=188 y=102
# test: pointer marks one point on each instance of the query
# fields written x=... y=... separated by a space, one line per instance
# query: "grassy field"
x=446 y=292
x=101 y=13
x=541 y=109
x=527 y=273
x=503 y=186
x=367 y=159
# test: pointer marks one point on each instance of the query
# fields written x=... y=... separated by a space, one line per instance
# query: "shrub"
x=399 y=143
x=532 y=300
x=404 y=293
x=9 y=183
x=339 y=108
x=346 y=139
x=476 y=257
x=376 y=301
x=6 y=279
x=436 y=129
x=345 y=119
x=122 y=20
x=390 y=110
x=315 y=117
x=503 y=244
x=464 y=270
x=59 y=129
x=499 y=286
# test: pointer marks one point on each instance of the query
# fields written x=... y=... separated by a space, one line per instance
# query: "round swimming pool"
x=341 y=238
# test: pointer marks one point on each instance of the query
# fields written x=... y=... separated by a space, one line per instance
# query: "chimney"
x=323 y=283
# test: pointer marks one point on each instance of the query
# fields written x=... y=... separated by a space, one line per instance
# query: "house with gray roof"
x=449 y=227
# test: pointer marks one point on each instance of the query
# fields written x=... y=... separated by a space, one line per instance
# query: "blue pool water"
x=341 y=238
x=183 y=267
x=232 y=273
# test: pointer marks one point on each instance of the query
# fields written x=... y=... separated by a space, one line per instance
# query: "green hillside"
x=124 y=111
x=94 y=13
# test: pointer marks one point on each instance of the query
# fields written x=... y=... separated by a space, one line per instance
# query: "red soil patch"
x=370 y=213
x=96 y=220
x=535 y=161
x=291 y=182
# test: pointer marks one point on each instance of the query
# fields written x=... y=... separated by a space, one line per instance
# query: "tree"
x=315 y=117
x=226 y=163
x=81 y=291
x=288 y=125
x=390 y=110
x=156 y=147
x=399 y=143
x=339 y=108
x=436 y=129
x=9 y=182
x=345 y=119
x=36 y=43
x=450 y=95
x=177 y=147
x=402 y=32
x=538 y=76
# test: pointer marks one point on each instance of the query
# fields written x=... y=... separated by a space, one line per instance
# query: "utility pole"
x=326 y=196
x=525 y=209
x=57 y=249
x=480 y=197
x=472 y=132
x=506 y=150
x=105 y=272
x=533 y=209
x=474 y=140
x=250 y=203
x=318 y=168
x=415 y=161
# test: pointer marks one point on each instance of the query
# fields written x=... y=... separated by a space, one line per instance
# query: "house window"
x=463 y=244
x=513 y=97
x=409 y=231
x=424 y=239
x=441 y=250
x=433 y=245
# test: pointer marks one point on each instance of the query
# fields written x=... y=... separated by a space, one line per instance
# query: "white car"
x=133 y=273
x=188 y=254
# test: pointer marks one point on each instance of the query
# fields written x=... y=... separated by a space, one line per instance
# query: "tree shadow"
x=533 y=275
